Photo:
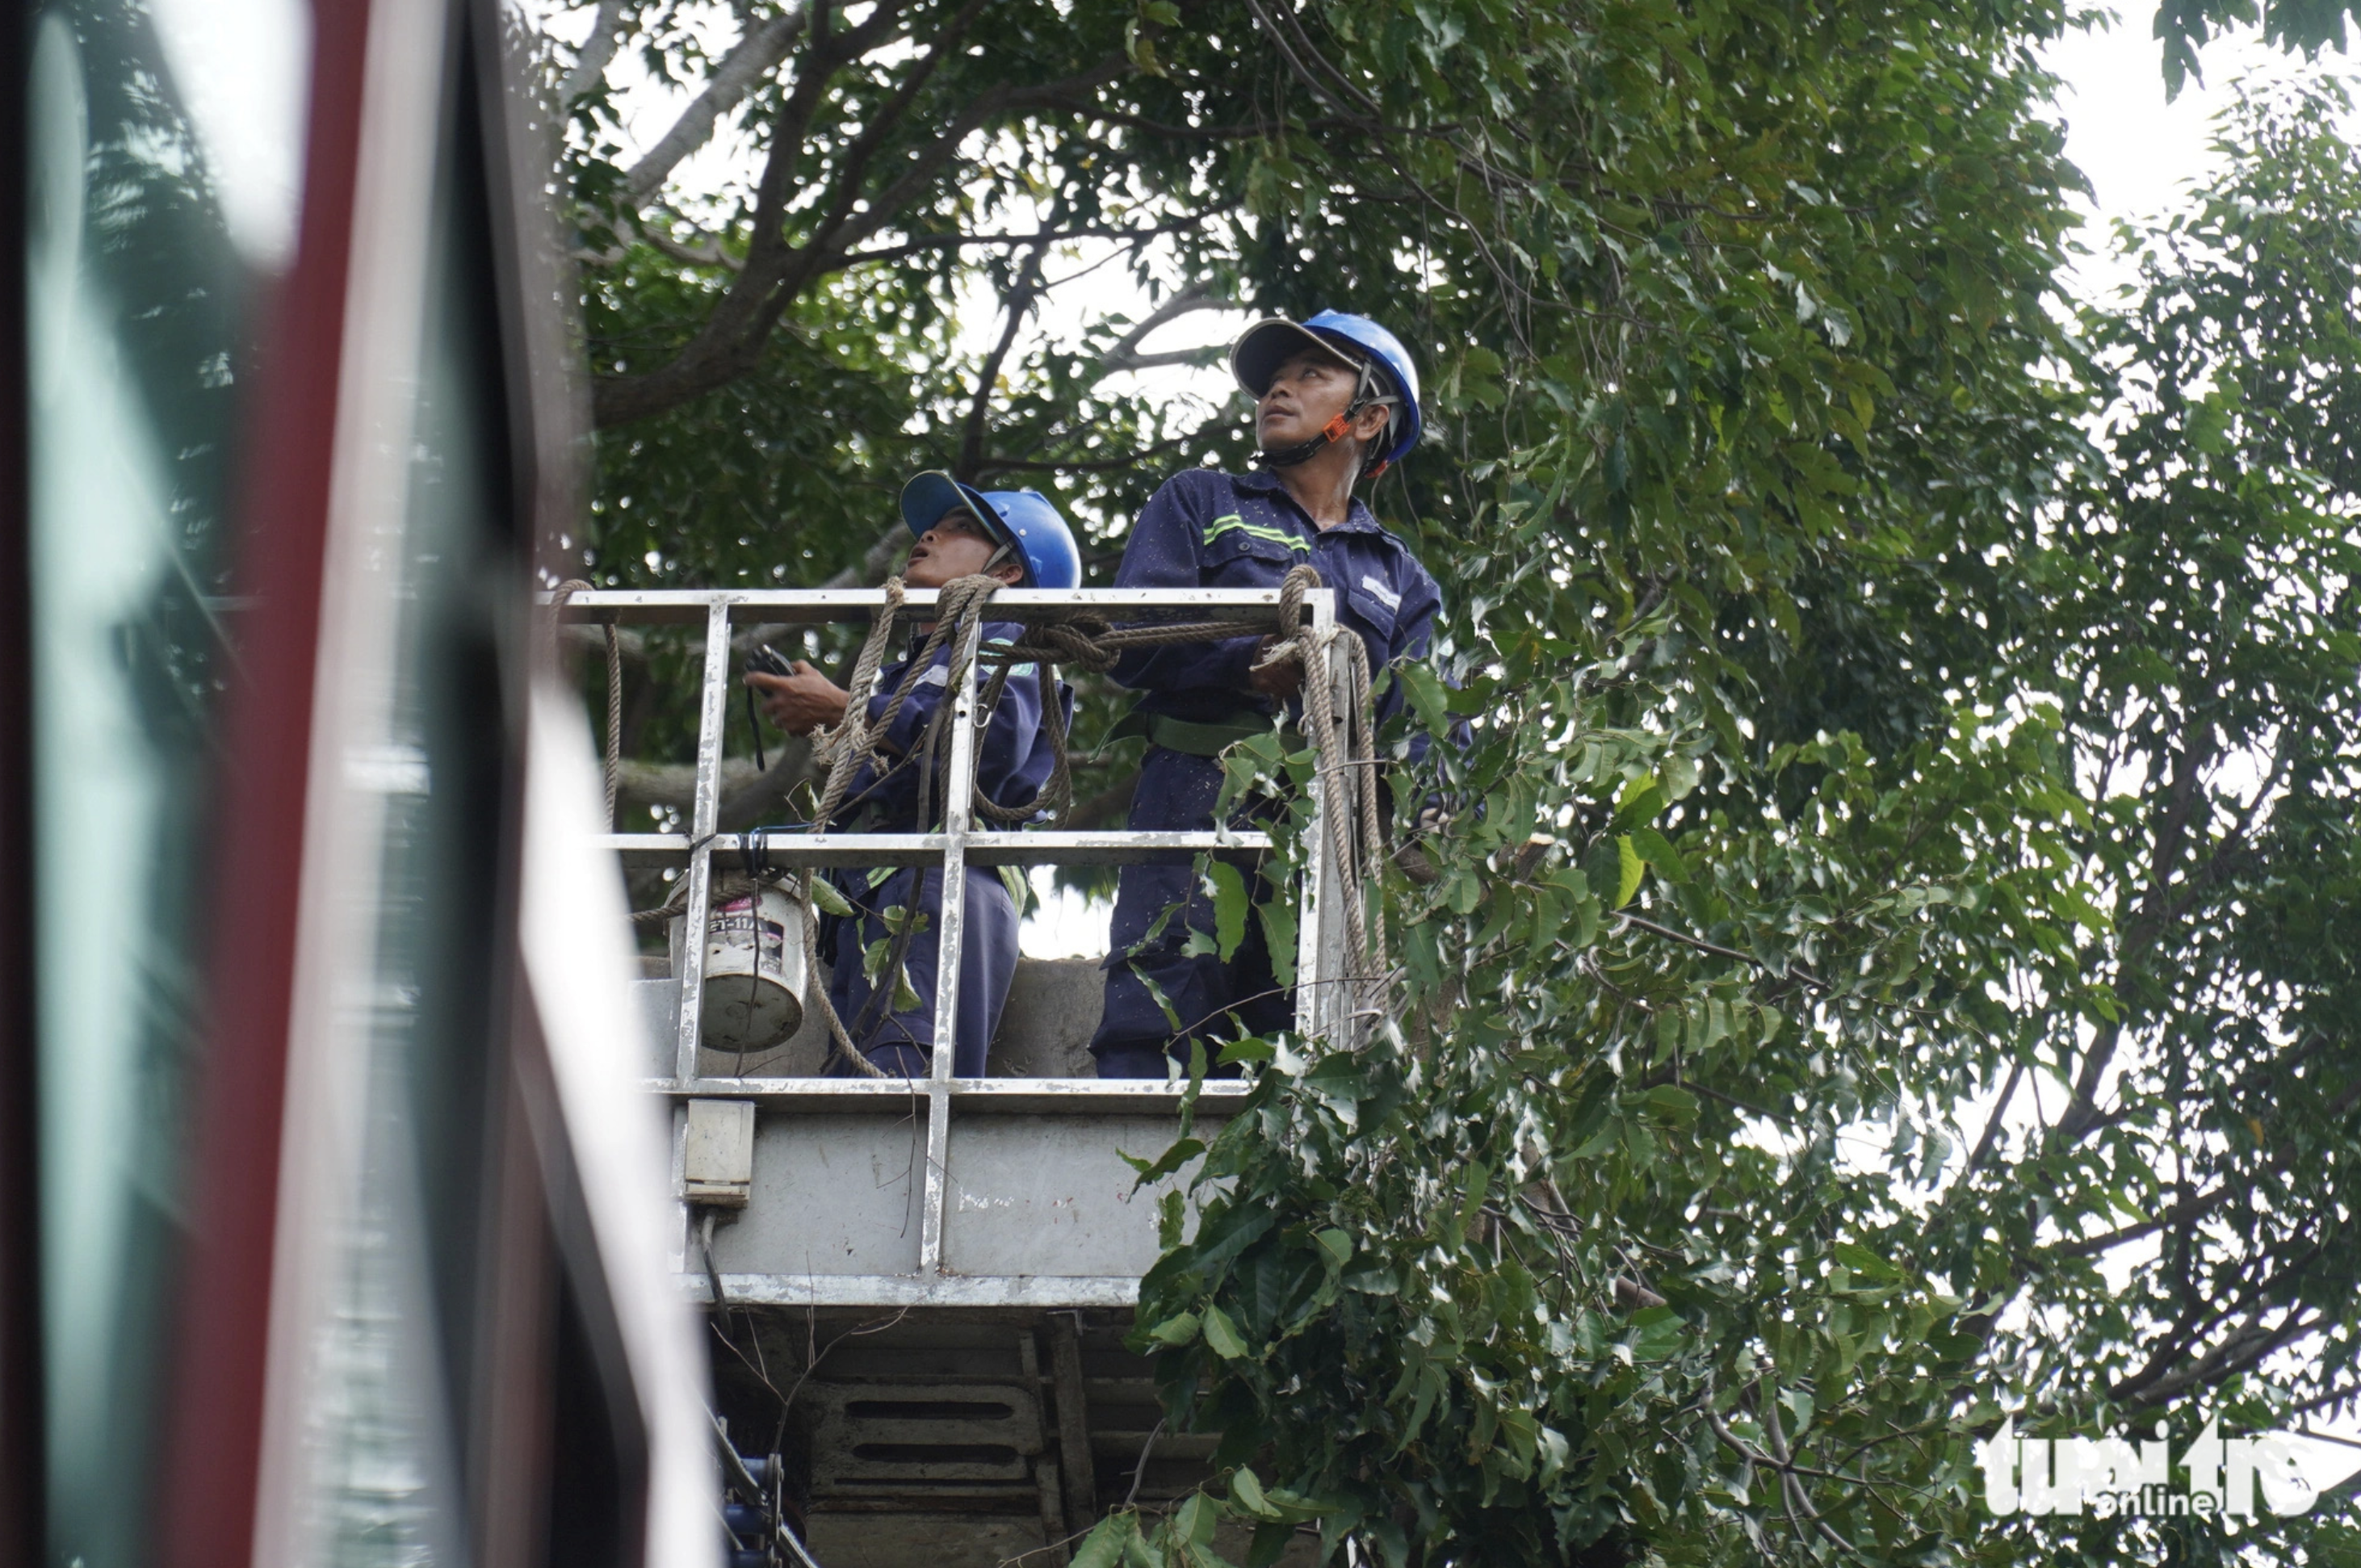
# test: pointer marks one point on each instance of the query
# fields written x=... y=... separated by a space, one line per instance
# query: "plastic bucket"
x=754 y=972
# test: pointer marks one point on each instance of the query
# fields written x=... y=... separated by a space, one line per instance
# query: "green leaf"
x=1249 y=1049
x=1278 y=916
x=1141 y=48
x=829 y=900
x=1641 y=799
x=1195 y=1520
x=1656 y=1333
x=1337 y=1244
x=1163 y=1002
x=1861 y=1260
x=1245 y=1491
x=1630 y=869
x=1464 y=891
x=1108 y=1542
x=1222 y=1335
x=1179 y=1330
x=1180 y=1152
x=1271 y=1540
x=1657 y=851
x=1479 y=1181
x=1426 y=695
x=1674 y=1105
x=1230 y=907
x=1020 y=889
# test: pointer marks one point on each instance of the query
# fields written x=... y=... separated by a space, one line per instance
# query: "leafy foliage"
x=2184 y=26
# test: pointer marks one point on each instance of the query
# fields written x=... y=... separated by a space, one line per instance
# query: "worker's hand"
x=1281 y=679
x=802 y=702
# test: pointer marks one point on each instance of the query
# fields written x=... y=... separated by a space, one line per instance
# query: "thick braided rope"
x=844 y=748
x=613 y=770
x=1057 y=792
x=854 y=741
x=1091 y=642
x=1349 y=759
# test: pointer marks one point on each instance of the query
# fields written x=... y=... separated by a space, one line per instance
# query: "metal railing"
x=1322 y=1004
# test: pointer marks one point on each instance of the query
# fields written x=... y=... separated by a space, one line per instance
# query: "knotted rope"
x=1347 y=755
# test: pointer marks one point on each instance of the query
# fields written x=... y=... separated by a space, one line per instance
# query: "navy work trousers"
x=901 y=1043
x=1211 y=999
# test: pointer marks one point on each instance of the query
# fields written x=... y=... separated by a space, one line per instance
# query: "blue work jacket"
x=1208 y=529
x=1013 y=751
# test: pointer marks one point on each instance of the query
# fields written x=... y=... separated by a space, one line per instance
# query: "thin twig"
x=1644 y=924
x=1139 y=1471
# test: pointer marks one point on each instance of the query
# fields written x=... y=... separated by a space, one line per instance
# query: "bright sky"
x=2138 y=151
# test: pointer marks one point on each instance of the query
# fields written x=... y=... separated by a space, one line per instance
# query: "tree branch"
x=709 y=254
x=1022 y=293
x=1123 y=355
x=899 y=194
x=923 y=243
x=767 y=252
x=871 y=568
x=590 y=65
x=1306 y=75
x=1094 y=466
x=853 y=164
x=1701 y=945
x=2243 y=1348
x=731 y=340
x=1992 y=1128
x=752 y=59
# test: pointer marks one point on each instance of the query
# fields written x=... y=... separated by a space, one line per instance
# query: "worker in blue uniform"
x=1018 y=537
x=1335 y=402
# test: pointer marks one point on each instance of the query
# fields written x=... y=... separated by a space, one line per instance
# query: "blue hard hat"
x=1256 y=357
x=1025 y=519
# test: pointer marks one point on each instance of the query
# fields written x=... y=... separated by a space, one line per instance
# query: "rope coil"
x=1346 y=755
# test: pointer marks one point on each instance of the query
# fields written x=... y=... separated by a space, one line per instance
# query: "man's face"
x=955 y=547
x=1309 y=389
